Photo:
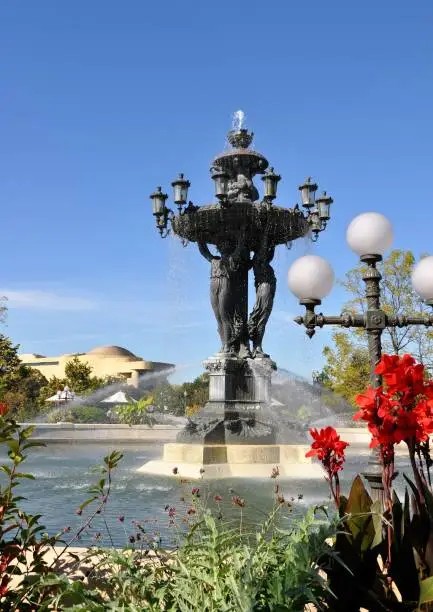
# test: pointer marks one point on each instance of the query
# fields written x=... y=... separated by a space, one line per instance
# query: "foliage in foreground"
x=28 y=555
x=218 y=565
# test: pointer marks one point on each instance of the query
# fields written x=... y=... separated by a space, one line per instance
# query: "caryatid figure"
x=265 y=283
x=225 y=292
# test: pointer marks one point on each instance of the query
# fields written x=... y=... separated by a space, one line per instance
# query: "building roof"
x=112 y=351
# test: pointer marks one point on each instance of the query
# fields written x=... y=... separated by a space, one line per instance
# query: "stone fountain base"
x=233 y=461
x=235 y=434
x=236 y=413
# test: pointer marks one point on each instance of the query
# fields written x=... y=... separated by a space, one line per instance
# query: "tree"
x=197 y=392
x=20 y=386
x=347 y=367
x=3 y=309
x=169 y=398
x=78 y=377
x=9 y=360
x=346 y=370
x=398 y=298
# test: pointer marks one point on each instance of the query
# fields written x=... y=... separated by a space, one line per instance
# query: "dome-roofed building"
x=114 y=361
x=112 y=351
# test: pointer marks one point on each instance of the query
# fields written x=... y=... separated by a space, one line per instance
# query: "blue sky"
x=101 y=101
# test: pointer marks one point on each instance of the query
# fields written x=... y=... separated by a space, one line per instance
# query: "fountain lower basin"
x=232 y=461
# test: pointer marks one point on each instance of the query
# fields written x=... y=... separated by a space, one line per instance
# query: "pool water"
x=63 y=474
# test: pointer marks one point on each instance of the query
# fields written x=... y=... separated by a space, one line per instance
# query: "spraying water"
x=238 y=120
x=296 y=405
x=110 y=389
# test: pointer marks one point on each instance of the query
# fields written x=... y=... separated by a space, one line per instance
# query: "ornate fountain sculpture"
x=245 y=231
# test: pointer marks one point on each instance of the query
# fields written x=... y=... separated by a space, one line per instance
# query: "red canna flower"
x=328 y=448
x=3 y=408
x=403 y=411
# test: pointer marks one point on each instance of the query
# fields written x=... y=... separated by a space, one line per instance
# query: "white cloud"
x=44 y=300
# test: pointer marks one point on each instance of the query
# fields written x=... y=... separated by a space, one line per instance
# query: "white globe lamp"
x=370 y=234
x=310 y=278
x=422 y=279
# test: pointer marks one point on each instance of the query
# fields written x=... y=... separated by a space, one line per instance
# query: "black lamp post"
x=311 y=278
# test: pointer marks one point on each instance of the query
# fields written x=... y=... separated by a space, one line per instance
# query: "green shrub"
x=60 y=415
x=135 y=413
x=89 y=414
x=79 y=414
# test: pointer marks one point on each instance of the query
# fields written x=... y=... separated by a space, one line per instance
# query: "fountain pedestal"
x=234 y=435
x=237 y=410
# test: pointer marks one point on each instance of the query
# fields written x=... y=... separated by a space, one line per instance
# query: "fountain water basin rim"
x=213 y=461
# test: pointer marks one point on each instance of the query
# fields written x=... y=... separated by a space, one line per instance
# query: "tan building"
x=104 y=360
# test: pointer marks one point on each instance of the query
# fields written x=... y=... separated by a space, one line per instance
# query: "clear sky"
x=101 y=101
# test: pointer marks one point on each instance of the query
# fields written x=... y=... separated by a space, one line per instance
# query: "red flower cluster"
x=238 y=501
x=3 y=408
x=402 y=410
x=328 y=448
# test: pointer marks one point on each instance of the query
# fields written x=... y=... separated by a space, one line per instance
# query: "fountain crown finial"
x=239 y=137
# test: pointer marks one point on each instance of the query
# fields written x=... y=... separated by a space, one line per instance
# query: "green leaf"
x=33 y=444
x=359 y=500
x=87 y=502
x=426 y=591
x=13 y=445
x=360 y=520
x=376 y=516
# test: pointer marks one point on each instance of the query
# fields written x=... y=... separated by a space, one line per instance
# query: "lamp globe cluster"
x=369 y=235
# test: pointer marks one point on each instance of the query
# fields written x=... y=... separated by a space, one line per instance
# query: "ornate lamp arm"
x=311 y=320
x=405 y=321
